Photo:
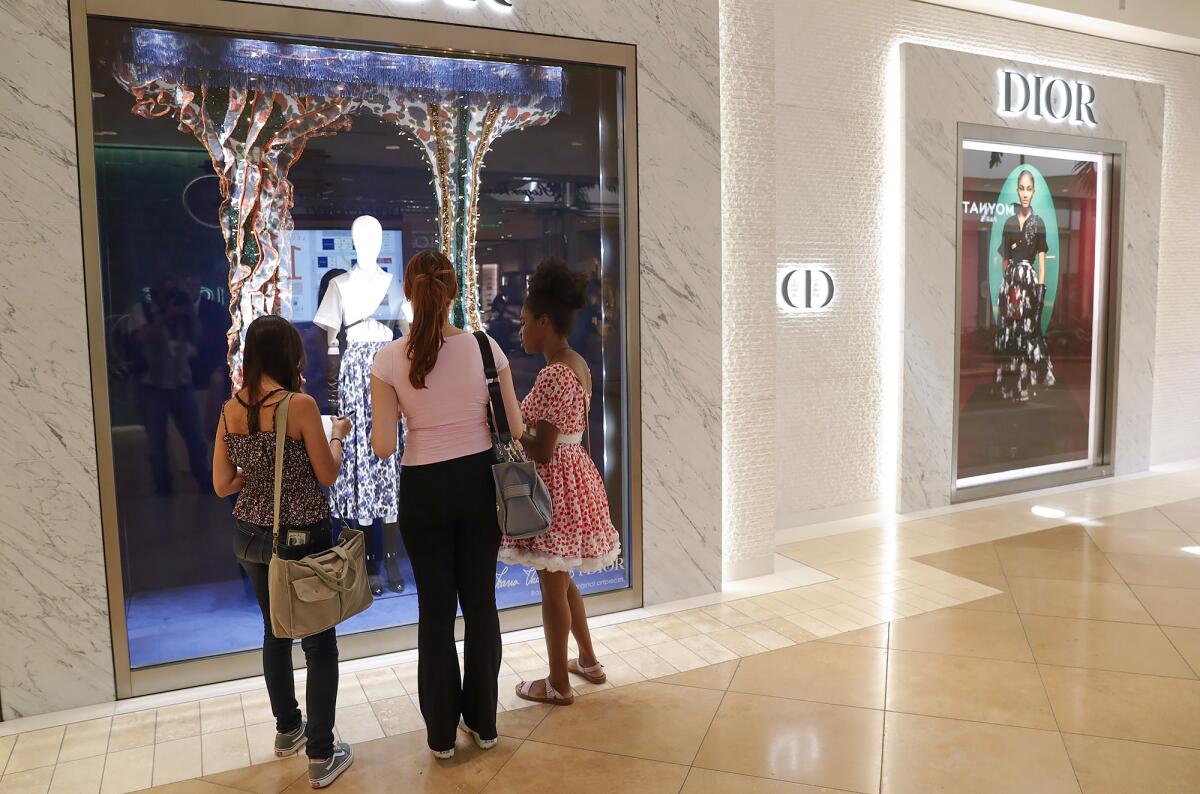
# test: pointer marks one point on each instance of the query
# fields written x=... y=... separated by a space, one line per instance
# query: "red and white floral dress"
x=581 y=535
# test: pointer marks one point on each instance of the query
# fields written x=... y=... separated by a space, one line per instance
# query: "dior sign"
x=1046 y=98
x=804 y=289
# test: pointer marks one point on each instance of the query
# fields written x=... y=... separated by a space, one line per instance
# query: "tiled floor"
x=995 y=649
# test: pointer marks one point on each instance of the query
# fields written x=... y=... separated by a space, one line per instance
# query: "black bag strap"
x=498 y=418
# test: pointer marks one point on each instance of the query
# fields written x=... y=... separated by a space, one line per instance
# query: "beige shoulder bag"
x=321 y=590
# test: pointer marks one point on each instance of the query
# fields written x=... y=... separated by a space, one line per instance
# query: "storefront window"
x=172 y=241
x=1034 y=237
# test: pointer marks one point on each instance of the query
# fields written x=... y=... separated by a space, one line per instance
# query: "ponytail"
x=430 y=285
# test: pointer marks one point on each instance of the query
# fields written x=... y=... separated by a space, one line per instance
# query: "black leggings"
x=320 y=653
x=448 y=521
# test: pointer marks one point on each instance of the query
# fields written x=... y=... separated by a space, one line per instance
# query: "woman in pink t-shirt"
x=433 y=378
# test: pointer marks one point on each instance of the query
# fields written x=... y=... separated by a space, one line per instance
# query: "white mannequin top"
x=353 y=297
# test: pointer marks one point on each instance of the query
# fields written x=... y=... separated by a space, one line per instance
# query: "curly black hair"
x=557 y=292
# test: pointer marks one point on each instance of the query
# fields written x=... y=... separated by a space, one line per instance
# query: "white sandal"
x=525 y=692
x=593 y=675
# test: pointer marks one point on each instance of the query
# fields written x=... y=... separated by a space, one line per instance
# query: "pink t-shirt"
x=448 y=418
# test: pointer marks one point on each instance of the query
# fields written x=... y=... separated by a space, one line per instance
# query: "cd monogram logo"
x=805 y=289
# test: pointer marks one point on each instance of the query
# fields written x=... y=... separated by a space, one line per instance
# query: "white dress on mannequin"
x=366 y=487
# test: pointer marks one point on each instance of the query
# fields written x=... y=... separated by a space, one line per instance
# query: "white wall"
x=56 y=651
x=831 y=67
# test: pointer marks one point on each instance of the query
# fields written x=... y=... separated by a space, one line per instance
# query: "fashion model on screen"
x=1019 y=340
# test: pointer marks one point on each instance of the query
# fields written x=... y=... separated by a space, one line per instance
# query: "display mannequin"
x=366 y=488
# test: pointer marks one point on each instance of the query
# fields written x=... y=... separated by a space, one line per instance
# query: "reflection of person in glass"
x=1022 y=296
x=166 y=330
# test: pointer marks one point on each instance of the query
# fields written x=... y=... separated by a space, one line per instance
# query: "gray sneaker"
x=287 y=744
x=323 y=773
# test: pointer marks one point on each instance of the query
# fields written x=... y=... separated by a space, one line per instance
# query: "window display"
x=1031 y=303
x=305 y=176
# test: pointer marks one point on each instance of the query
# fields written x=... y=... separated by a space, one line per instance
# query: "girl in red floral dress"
x=581 y=536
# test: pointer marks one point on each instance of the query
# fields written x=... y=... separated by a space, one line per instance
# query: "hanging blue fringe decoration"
x=325 y=71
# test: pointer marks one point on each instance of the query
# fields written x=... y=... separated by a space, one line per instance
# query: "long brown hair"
x=274 y=350
x=430 y=285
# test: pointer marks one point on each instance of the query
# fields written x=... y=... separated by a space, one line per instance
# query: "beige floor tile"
x=397 y=715
x=224 y=750
x=962 y=687
x=179 y=759
x=350 y=692
x=266 y=778
x=753 y=609
x=797 y=741
x=708 y=781
x=520 y=723
x=1187 y=642
x=962 y=632
x=651 y=720
x=788 y=629
x=925 y=754
x=849 y=675
x=518 y=657
x=85 y=740
x=796 y=600
x=774 y=605
x=221 y=714
x=1070 y=537
x=358 y=723
x=194 y=787
x=715 y=676
x=1113 y=766
x=380 y=684
x=131 y=730
x=838 y=621
x=647 y=662
x=977 y=559
x=178 y=722
x=1104 y=645
x=674 y=628
x=6 y=746
x=539 y=767
x=128 y=770
x=727 y=615
x=407 y=673
x=82 y=776
x=260 y=740
x=1034 y=563
x=1157 y=570
x=35 y=749
x=678 y=655
x=872 y=637
x=737 y=642
x=1171 y=606
x=1078 y=599
x=767 y=637
x=814 y=626
x=256 y=707
x=708 y=649
x=1170 y=543
x=403 y=763
x=31 y=781
x=700 y=621
x=1124 y=705
x=645 y=632
x=1149 y=519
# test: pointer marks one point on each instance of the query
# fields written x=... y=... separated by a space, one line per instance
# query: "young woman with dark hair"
x=581 y=536
x=244 y=464
x=433 y=378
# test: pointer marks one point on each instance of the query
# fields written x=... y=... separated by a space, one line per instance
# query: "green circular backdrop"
x=1043 y=206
